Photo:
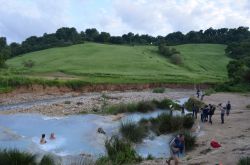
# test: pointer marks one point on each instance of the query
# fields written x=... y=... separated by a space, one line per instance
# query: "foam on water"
x=75 y=134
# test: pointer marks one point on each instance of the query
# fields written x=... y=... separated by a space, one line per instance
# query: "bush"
x=120 y=152
x=159 y=90
x=28 y=64
x=230 y=87
x=166 y=123
x=121 y=108
x=15 y=157
x=104 y=160
x=248 y=106
x=209 y=91
x=188 y=122
x=142 y=106
x=190 y=140
x=47 y=160
x=133 y=132
x=166 y=104
x=189 y=104
x=145 y=106
x=176 y=59
x=244 y=161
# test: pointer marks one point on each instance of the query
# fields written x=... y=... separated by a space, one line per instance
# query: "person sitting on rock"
x=100 y=130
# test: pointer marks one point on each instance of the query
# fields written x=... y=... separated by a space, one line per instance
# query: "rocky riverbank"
x=75 y=103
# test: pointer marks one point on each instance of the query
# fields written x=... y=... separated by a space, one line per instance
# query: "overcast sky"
x=20 y=19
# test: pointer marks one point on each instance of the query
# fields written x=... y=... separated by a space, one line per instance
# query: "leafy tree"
x=4 y=51
x=103 y=37
x=91 y=34
x=236 y=71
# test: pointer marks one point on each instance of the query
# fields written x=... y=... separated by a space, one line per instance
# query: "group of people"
x=207 y=112
x=43 y=140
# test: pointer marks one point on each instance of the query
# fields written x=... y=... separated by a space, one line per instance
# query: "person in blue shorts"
x=177 y=146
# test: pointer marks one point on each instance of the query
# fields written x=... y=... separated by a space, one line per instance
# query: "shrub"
x=67 y=102
x=166 y=123
x=190 y=140
x=121 y=152
x=104 y=160
x=189 y=104
x=166 y=103
x=159 y=90
x=133 y=132
x=176 y=59
x=188 y=122
x=14 y=157
x=244 y=161
x=121 y=108
x=150 y=157
x=47 y=160
x=209 y=91
x=75 y=84
x=248 y=106
x=28 y=64
x=145 y=106
x=142 y=106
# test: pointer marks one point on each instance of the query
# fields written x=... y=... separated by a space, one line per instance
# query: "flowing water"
x=75 y=134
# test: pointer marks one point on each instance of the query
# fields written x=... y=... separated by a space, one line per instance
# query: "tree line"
x=69 y=36
x=239 y=68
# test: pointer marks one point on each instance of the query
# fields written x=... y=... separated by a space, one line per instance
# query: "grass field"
x=102 y=63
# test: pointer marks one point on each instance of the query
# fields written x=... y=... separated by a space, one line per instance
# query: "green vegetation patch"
x=118 y=152
x=16 y=157
x=159 y=90
x=142 y=106
x=244 y=161
x=193 y=101
x=104 y=63
x=133 y=131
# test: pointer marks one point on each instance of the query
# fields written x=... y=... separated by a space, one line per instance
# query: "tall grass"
x=133 y=131
x=244 y=161
x=47 y=160
x=189 y=104
x=166 y=123
x=190 y=140
x=159 y=90
x=15 y=157
x=119 y=152
x=142 y=106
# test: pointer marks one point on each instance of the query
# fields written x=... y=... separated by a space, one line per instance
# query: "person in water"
x=52 y=136
x=43 y=141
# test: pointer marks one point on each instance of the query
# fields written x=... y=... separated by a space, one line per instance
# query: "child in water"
x=43 y=141
x=52 y=136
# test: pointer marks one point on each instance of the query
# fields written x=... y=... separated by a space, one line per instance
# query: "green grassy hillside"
x=101 y=63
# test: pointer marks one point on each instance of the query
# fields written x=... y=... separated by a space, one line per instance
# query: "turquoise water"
x=75 y=134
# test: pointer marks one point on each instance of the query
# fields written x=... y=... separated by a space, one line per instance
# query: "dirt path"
x=234 y=135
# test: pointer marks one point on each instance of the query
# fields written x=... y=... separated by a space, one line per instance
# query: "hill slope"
x=101 y=63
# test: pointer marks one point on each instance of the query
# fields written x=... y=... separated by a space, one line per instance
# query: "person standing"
x=177 y=146
x=193 y=110
x=198 y=93
x=222 y=113
x=211 y=113
x=228 y=107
